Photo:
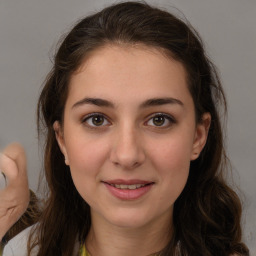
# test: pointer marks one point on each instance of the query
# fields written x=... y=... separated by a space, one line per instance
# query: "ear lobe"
x=60 y=139
x=201 y=135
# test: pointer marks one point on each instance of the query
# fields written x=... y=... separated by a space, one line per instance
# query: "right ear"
x=60 y=139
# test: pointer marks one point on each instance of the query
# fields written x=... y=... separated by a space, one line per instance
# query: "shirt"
x=18 y=246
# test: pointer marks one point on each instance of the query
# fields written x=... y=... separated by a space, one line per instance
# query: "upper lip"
x=127 y=182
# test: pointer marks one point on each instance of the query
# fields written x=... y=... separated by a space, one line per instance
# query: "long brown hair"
x=207 y=214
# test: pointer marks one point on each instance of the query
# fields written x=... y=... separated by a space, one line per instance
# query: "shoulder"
x=18 y=245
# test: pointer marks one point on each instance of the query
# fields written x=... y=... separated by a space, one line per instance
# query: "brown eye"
x=158 y=120
x=96 y=120
x=161 y=121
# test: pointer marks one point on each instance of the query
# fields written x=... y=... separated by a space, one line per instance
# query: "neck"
x=106 y=239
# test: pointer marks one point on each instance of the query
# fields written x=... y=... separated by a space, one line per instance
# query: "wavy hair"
x=208 y=212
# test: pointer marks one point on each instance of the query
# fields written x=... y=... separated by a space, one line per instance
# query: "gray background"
x=30 y=29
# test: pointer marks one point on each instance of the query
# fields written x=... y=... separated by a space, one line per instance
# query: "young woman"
x=134 y=156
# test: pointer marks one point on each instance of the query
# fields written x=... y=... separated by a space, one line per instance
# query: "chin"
x=128 y=218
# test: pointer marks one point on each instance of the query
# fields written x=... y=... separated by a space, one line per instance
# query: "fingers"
x=17 y=153
x=13 y=163
x=14 y=198
x=2 y=181
x=8 y=167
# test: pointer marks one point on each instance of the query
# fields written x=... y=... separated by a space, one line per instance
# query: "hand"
x=14 y=198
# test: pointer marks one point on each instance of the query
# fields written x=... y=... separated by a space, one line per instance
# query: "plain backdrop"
x=30 y=30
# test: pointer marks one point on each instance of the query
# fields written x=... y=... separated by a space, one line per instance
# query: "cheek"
x=172 y=162
x=85 y=151
x=172 y=153
x=86 y=157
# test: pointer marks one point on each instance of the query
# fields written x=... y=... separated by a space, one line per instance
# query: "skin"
x=130 y=143
x=14 y=198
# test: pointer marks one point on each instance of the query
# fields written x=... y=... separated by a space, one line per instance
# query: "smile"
x=131 y=187
x=128 y=190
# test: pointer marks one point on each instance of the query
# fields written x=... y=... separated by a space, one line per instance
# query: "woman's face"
x=129 y=134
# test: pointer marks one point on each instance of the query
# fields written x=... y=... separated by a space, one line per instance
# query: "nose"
x=127 y=149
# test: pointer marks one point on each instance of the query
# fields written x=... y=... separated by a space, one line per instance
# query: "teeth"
x=133 y=186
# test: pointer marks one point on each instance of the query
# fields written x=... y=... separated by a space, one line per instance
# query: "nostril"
x=127 y=152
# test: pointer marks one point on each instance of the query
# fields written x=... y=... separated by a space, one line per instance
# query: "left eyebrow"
x=160 y=101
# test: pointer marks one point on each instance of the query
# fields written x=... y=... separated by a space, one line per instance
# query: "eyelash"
x=167 y=117
x=90 y=116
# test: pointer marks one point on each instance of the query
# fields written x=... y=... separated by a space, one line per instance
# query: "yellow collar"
x=83 y=251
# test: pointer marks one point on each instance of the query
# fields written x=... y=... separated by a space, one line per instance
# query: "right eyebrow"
x=94 y=101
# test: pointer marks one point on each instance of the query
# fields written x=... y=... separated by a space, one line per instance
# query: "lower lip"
x=128 y=194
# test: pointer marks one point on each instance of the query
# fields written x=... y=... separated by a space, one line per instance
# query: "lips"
x=128 y=189
x=127 y=182
x=131 y=187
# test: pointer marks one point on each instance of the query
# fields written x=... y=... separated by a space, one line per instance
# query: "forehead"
x=132 y=57
x=123 y=70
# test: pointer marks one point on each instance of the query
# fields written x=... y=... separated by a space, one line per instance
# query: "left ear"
x=201 y=133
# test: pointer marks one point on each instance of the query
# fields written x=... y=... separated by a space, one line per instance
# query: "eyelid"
x=85 y=118
x=169 y=117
